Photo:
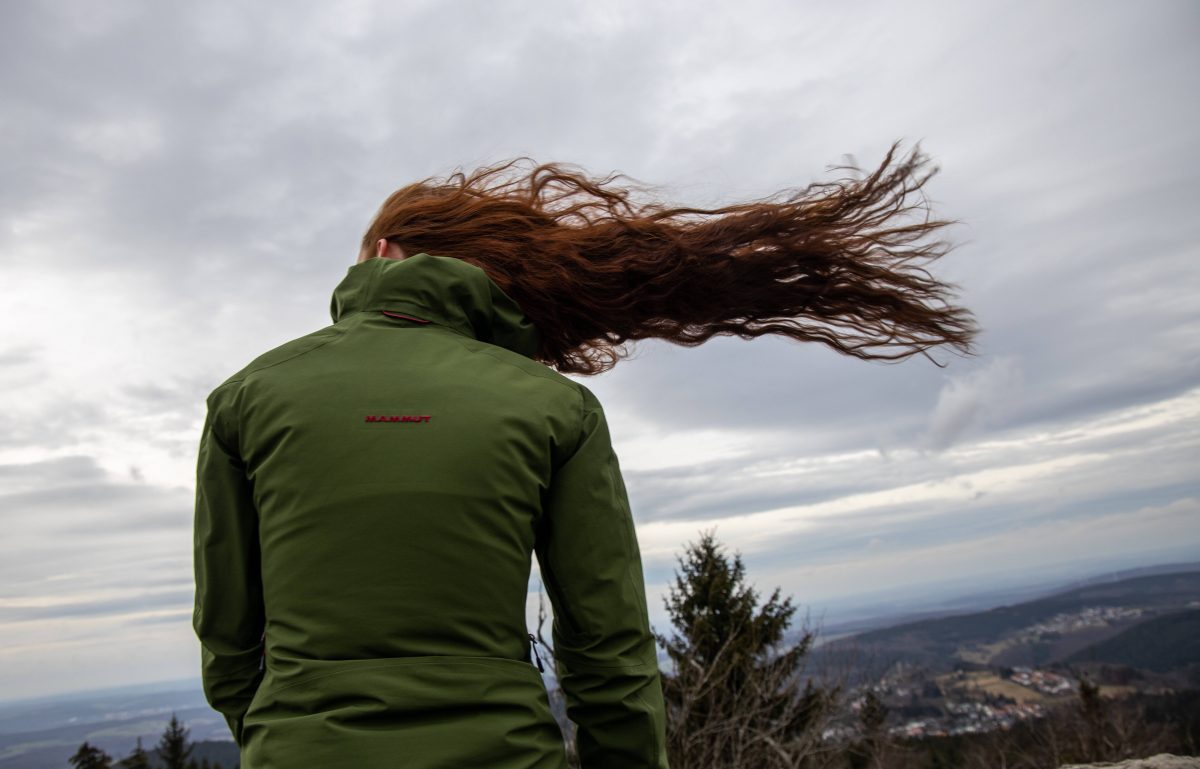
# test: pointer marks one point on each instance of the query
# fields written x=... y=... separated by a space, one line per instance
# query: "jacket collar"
x=442 y=290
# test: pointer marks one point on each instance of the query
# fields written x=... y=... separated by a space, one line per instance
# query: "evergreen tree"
x=90 y=757
x=1096 y=735
x=173 y=747
x=734 y=697
x=138 y=759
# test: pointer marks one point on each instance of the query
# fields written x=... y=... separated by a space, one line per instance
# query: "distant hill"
x=1039 y=632
x=224 y=754
x=1161 y=644
x=1125 y=574
x=886 y=614
x=43 y=733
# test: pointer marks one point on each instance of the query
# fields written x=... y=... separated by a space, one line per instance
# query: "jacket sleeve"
x=229 y=614
x=605 y=653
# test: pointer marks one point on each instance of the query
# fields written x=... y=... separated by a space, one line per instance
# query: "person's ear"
x=381 y=246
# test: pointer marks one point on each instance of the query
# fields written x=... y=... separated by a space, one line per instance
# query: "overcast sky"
x=183 y=184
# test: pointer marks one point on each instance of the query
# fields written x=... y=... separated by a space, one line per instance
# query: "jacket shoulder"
x=527 y=365
x=282 y=354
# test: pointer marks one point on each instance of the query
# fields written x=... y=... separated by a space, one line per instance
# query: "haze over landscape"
x=186 y=184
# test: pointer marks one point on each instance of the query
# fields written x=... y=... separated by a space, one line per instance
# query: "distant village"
x=945 y=715
x=972 y=700
x=1097 y=616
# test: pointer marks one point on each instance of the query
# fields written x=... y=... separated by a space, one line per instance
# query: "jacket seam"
x=579 y=431
x=457 y=660
x=463 y=338
x=248 y=374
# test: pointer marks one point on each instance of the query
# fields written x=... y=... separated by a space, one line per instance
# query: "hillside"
x=1034 y=633
x=1161 y=644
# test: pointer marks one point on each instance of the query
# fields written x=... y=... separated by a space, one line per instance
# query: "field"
x=974 y=684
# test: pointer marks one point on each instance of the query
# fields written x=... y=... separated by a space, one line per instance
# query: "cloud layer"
x=184 y=186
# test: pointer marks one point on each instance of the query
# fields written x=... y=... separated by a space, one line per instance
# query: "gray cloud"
x=18 y=356
x=184 y=186
x=52 y=426
x=974 y=400
x=147 y=601
x=57 y=471
x=73 y=529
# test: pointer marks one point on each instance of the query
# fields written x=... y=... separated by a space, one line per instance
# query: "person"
x=370 y=496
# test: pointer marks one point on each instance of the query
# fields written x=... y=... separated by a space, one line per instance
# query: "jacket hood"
x=442 y=290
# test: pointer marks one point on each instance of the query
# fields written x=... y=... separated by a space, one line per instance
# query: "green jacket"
x=368 y=500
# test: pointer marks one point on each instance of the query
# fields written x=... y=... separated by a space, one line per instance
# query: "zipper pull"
x=533 y=648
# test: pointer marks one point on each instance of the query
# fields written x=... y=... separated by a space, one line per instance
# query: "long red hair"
x=597 y=262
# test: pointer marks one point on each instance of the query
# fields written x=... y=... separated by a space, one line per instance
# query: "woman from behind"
x=370 y=496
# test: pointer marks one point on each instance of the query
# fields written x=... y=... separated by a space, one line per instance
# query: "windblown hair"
x=597 y=262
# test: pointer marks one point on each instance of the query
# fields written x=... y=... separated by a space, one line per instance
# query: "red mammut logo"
x=398 y=418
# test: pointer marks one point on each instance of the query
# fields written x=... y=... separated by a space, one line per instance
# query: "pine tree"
x=1093 y=712
x=734 y=697
x=173 y=747
x=138 y=759
x=90 y=757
